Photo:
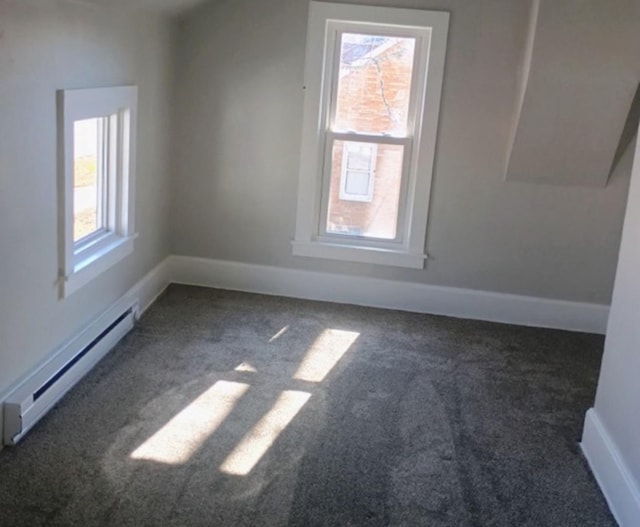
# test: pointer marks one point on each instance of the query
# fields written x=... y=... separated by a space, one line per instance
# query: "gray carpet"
x=232 y=409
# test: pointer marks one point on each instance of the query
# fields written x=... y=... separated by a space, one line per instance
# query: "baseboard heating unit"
x=35 y=396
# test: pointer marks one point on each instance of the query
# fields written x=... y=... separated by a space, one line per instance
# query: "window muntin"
x=334 y=31
x=97 y=148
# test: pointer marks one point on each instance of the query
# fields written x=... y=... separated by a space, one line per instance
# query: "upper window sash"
x=335 y=30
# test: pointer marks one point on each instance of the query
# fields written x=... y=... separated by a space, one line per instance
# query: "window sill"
x=97 y=263
x=358 y=253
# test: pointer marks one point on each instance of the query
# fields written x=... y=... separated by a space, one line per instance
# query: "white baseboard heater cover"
x=35 y=396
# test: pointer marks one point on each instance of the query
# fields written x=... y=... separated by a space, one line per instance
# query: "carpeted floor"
x=231 y=409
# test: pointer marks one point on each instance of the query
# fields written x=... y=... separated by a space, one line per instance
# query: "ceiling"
x=166 y=6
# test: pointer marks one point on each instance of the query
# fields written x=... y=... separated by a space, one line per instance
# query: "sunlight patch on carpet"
x=324 y=354
x=279 y=334
x=185 y=433
x=260 y=438
x=246 y=368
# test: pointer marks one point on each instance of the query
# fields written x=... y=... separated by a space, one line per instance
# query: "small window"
x=96 y=199
x=373 y=80
x=357 y=171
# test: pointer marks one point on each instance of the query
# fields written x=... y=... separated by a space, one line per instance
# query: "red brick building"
x=372 y=98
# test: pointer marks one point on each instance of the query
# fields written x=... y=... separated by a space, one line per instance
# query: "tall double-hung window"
x=373 y=80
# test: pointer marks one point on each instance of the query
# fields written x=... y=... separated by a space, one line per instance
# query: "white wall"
x=240 y=74
x=584 y=55
x=45 y=46
x=612 y=444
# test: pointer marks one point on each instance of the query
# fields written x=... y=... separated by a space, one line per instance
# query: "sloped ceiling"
x=580 y=74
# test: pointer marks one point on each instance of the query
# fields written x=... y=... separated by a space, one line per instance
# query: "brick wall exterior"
x=373 y=98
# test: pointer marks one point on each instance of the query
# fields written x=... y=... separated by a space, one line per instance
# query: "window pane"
x=365 y=202
x=374 y=84
x=359 y=159
x=87 y=177
x=357 y=183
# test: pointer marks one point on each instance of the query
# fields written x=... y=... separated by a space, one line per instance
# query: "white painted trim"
x=96 y=263
x=359 y=253
x=23 y=410
x=616 y=482
x=151 y=286
x=406 y=296
x=143 y=294
x=82 y=261
x=430 y=28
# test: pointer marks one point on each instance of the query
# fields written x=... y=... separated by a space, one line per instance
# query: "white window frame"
x=83 y=260
x=370 y=172
x=326 y=22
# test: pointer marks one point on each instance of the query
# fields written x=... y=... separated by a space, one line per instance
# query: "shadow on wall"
x=629 y=132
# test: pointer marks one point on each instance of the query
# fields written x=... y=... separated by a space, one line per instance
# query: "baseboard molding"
x=373 y=292
x=618 y=486
x=151 y=286
x=406 y=296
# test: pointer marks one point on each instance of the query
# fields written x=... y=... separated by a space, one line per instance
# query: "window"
x=97 y=132
x=373 y=80
x=358 y=171
x=89 y=182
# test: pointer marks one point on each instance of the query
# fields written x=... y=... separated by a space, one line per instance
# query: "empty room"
x=307 y=263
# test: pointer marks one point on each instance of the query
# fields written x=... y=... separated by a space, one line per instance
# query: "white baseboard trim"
x=373 y=292
x=618 y=486
x=406 y=296
x=151 y=286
